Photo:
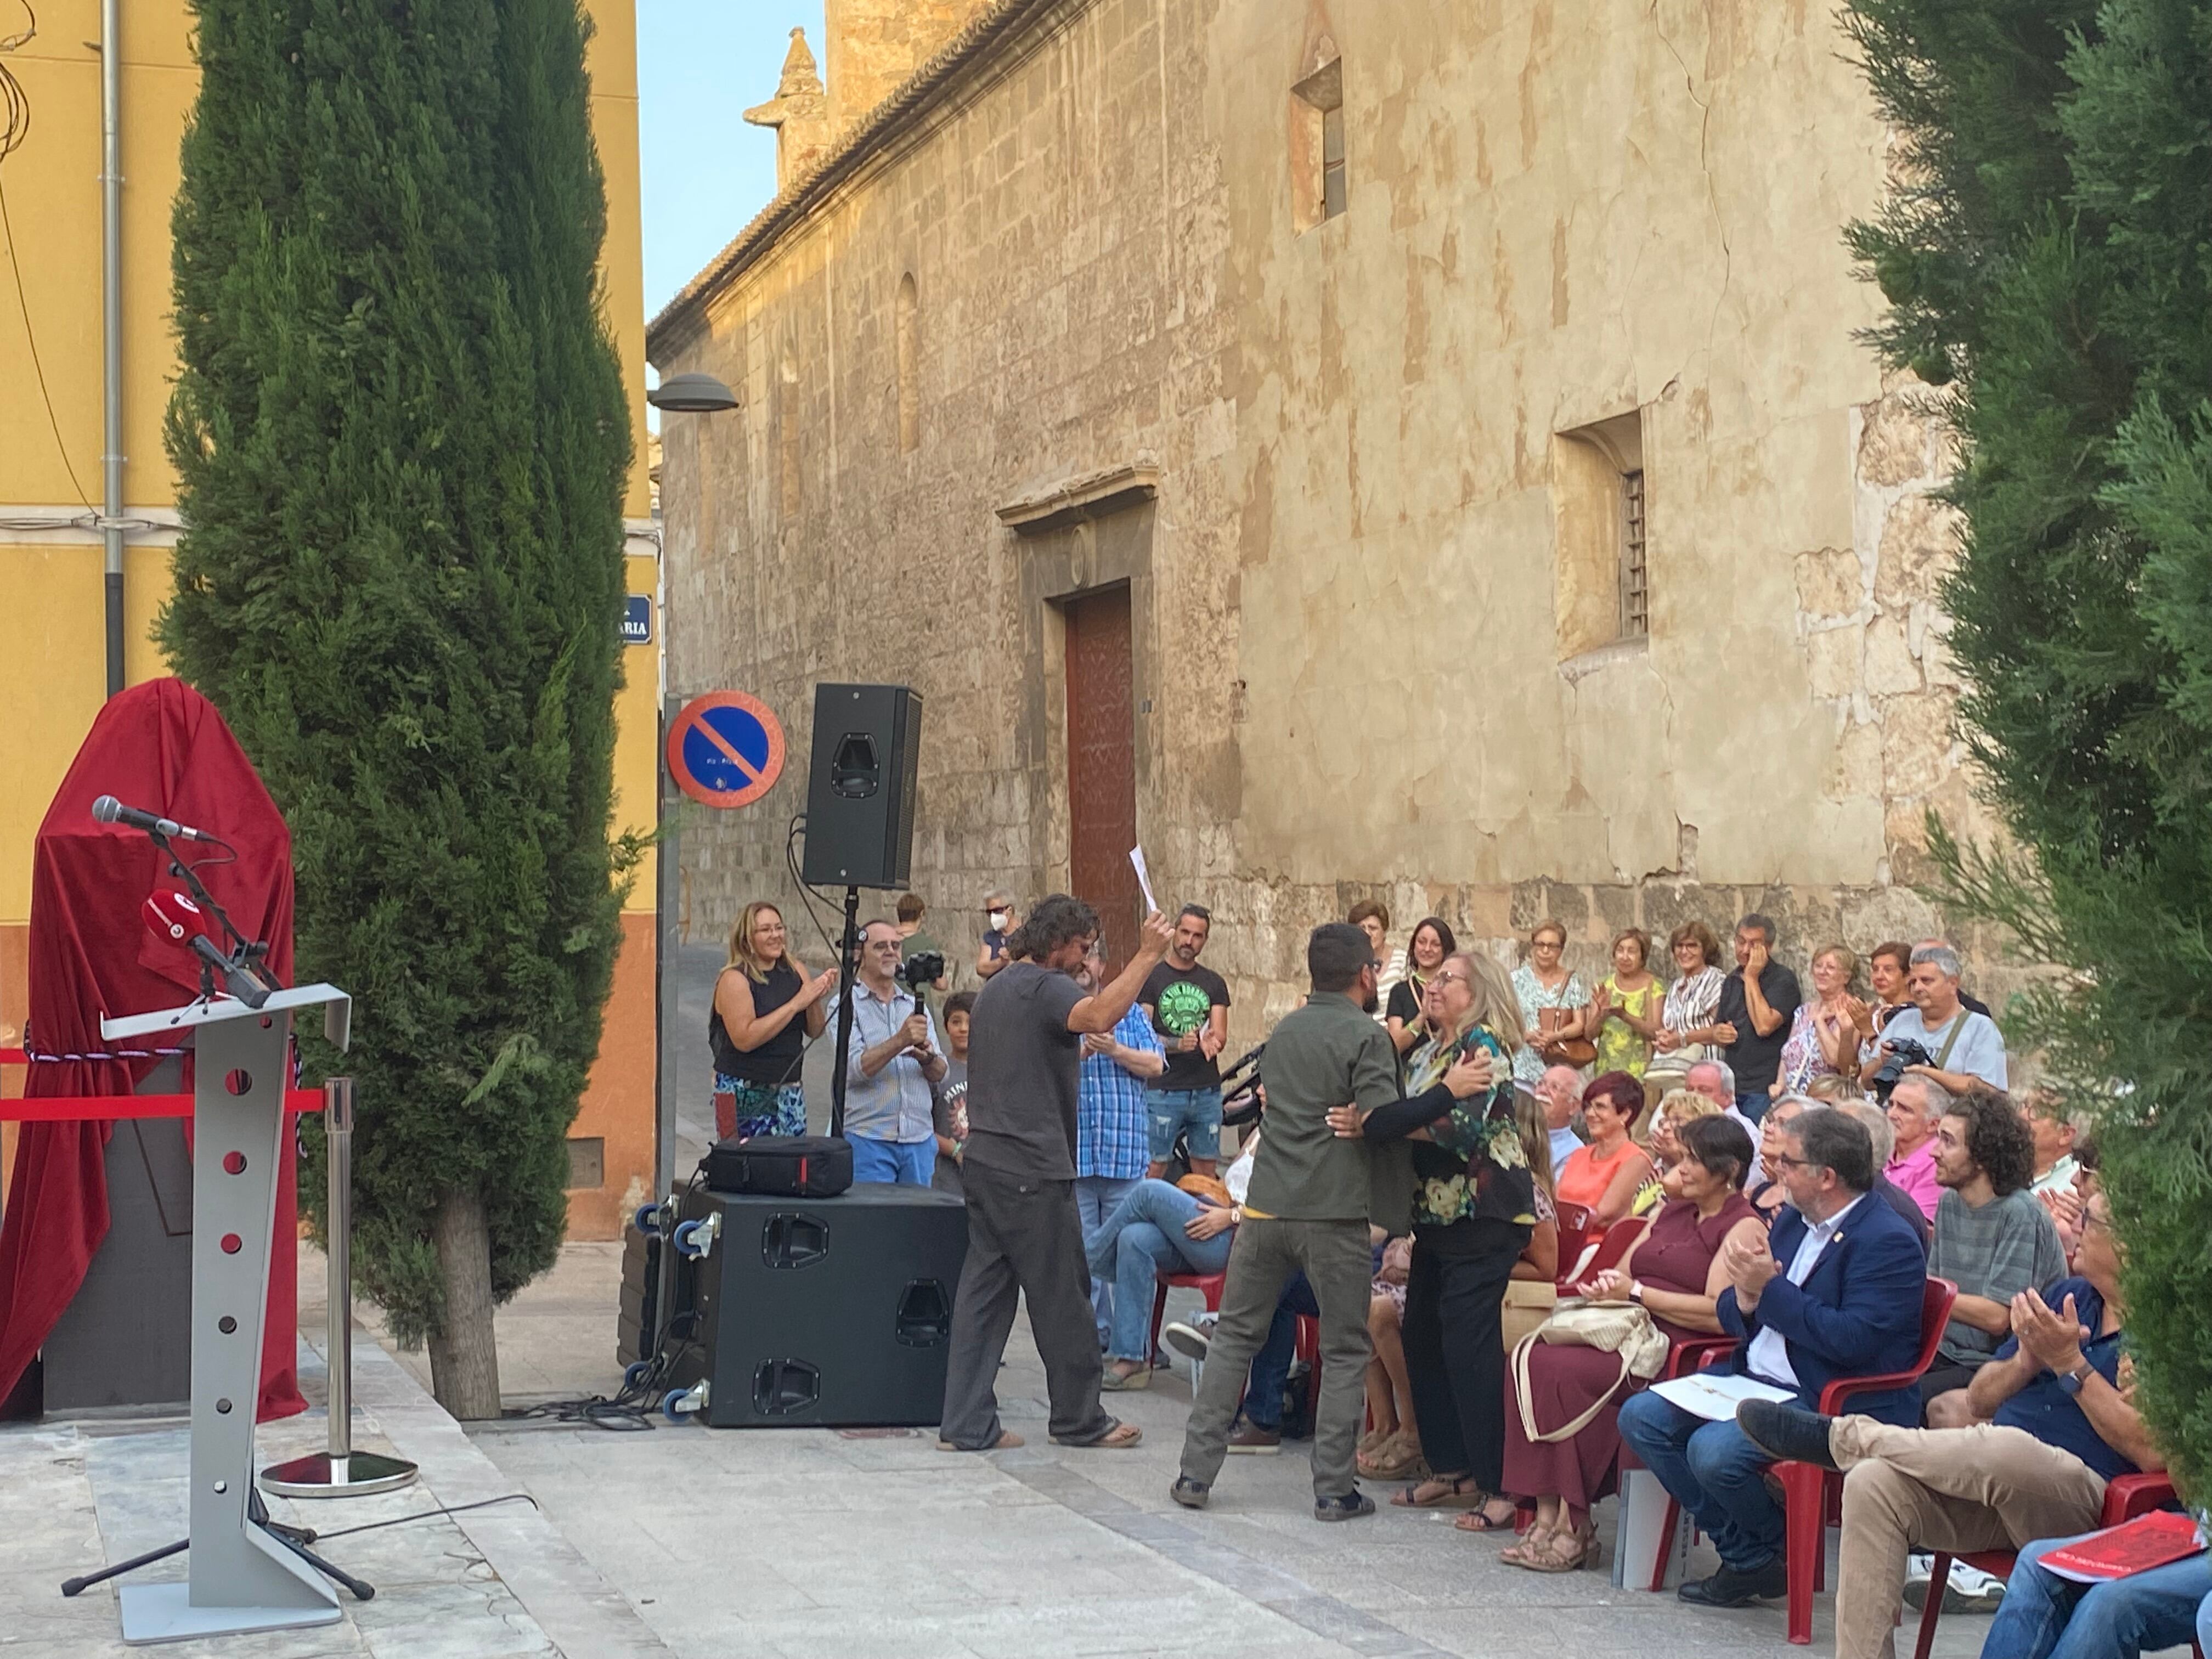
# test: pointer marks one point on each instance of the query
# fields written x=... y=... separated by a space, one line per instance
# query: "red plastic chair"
x=1207 y=1285
x=1813 y=1498
x=2127 y=1497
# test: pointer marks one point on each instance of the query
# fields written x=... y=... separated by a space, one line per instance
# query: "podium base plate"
x=321 y=1476
x=164 y=1612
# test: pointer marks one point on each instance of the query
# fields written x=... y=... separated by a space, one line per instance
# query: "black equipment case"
x=781 y=1166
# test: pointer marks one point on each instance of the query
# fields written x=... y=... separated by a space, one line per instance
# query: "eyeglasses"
x=1784 y=1161
x=2091 y=1219
x=1549 y=944
x=1450 y=979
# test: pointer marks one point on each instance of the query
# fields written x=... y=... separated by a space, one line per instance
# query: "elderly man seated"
x=1834 y=1290
x=2058 y=1421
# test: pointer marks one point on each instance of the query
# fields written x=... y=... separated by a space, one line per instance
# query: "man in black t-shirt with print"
x=1024 y=1234
x=1189 y=1008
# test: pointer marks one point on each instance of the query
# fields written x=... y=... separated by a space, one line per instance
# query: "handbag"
x=1570 y=1051
x=1623 y=1330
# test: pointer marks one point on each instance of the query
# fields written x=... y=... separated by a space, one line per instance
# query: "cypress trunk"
x=401 y=438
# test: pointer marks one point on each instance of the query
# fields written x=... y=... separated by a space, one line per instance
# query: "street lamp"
x=692 y=394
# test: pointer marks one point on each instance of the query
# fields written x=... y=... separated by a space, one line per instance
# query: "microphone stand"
x=848 y=962
x=241 y=973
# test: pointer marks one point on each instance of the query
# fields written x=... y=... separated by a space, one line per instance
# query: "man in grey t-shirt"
x=1993 y=1240
x=1025 y=1233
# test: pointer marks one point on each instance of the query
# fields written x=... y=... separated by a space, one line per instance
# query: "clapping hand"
x=1667 y=1040
x=1188 y=1042
x=1860 y=1015
x=1751 y=1268
x=2066 y=1209
x=1209 y=1041
x=817 y=987
x=2053 y=1340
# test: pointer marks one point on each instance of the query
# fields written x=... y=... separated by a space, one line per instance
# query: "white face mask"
x=998 y=919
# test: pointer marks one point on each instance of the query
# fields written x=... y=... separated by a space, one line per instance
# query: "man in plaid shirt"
x=1111 y=1122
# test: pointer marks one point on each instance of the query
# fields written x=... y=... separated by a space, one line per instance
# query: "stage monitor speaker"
x=860 y=787
x=813 y=1313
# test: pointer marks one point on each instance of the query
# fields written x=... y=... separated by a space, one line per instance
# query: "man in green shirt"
x=1307 y=1208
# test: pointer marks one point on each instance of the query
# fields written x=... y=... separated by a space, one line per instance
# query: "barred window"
x=1635 y=581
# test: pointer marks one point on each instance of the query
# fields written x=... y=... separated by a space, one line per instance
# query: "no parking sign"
x=724 y=748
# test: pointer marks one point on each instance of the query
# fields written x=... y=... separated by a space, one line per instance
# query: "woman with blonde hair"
x=765 y=1010
x=1823 y=1036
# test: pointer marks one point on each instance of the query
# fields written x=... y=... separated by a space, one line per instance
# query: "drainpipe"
x=111 y=230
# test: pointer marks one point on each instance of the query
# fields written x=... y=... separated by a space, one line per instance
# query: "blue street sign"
x=637 y=619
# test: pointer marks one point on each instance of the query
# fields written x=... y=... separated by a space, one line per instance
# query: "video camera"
x=921 y=970
x=1905 y=1052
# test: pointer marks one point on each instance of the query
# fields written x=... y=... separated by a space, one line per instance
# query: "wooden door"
x=1102 y=766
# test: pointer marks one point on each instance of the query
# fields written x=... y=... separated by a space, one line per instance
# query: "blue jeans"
x=2046 y=1617
x=1098 y=1197
x=902 y=1163
x=1271 y=1365
x=1713 y=1472
x=1753 y=1105
x=1144 y=1237
x=1170 y=1112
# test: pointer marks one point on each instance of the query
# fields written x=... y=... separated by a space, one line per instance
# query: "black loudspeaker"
x=860 y=787
x=813 y=1313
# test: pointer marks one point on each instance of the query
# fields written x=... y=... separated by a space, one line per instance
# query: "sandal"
x=1479 y=1517
x=1398 y=1457
x=1446 y=1492
x=1552 y=1552
x=1121 y=1436
x=1007 y=1441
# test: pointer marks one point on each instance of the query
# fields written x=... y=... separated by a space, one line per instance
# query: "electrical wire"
x=431 y=1515
x=15 y=128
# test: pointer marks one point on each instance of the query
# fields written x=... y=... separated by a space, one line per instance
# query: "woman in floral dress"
x=1473 y=1213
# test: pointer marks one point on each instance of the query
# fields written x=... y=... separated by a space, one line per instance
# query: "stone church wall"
x=1343 y=463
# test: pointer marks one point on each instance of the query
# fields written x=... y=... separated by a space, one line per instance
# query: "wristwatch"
x=2073 y=1381
x=1636 y=1290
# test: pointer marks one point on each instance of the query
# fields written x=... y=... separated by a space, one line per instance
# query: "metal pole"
x=338 y=1141
x=111 y=235
x=341 y=1472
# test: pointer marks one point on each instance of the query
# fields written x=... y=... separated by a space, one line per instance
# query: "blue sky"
x=700 y=65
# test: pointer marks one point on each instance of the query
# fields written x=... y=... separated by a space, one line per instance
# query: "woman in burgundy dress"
x=1675 y=1271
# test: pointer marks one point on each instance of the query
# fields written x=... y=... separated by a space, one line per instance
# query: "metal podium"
x=242 y=1578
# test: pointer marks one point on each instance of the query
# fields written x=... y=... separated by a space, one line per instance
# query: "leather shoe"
x=1730 y=1589
x=1787 y=1433
x=1348 y=1506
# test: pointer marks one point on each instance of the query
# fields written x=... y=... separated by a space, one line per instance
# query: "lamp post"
x=678 y=394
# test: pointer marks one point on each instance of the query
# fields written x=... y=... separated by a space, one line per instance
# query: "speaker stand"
x=849 y=957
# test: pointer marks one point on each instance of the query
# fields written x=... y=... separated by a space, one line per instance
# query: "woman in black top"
x=765 y=1009
x=1432 y=943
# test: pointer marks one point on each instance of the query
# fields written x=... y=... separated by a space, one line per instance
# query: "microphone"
x=108 y=809
x=175 y=918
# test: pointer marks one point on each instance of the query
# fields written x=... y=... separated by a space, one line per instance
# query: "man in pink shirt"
x=1916 y=1105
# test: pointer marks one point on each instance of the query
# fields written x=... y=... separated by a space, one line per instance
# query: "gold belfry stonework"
x=1467 y=399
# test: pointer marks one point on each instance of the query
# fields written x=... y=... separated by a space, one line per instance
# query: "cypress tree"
x=2047 y=262
x=401 y=437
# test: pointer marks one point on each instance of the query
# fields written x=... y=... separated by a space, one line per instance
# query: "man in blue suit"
x=1834 y=1294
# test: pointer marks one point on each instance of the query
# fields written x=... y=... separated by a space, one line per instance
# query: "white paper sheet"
x=1716 y=1394
x=1144 y=879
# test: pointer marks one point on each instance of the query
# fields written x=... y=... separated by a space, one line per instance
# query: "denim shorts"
x=1170 y=1112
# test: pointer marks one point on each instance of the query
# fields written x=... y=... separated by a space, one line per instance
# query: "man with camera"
x=1938 y=1037
x=894 y=1058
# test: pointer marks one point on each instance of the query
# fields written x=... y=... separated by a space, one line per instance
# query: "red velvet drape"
x=160 y=745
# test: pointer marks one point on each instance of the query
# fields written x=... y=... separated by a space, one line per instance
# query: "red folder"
x=2150 y=1541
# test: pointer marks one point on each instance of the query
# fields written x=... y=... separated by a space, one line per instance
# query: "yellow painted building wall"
x=53 y=655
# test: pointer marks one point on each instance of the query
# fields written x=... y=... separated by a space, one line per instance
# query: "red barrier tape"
x=72 y=1109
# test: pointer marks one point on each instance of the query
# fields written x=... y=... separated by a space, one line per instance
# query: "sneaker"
x=1113 y=1381
x=1190 y=1339
x=1248 y=1436
x=1967 y=1589
x=1191 y=1494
